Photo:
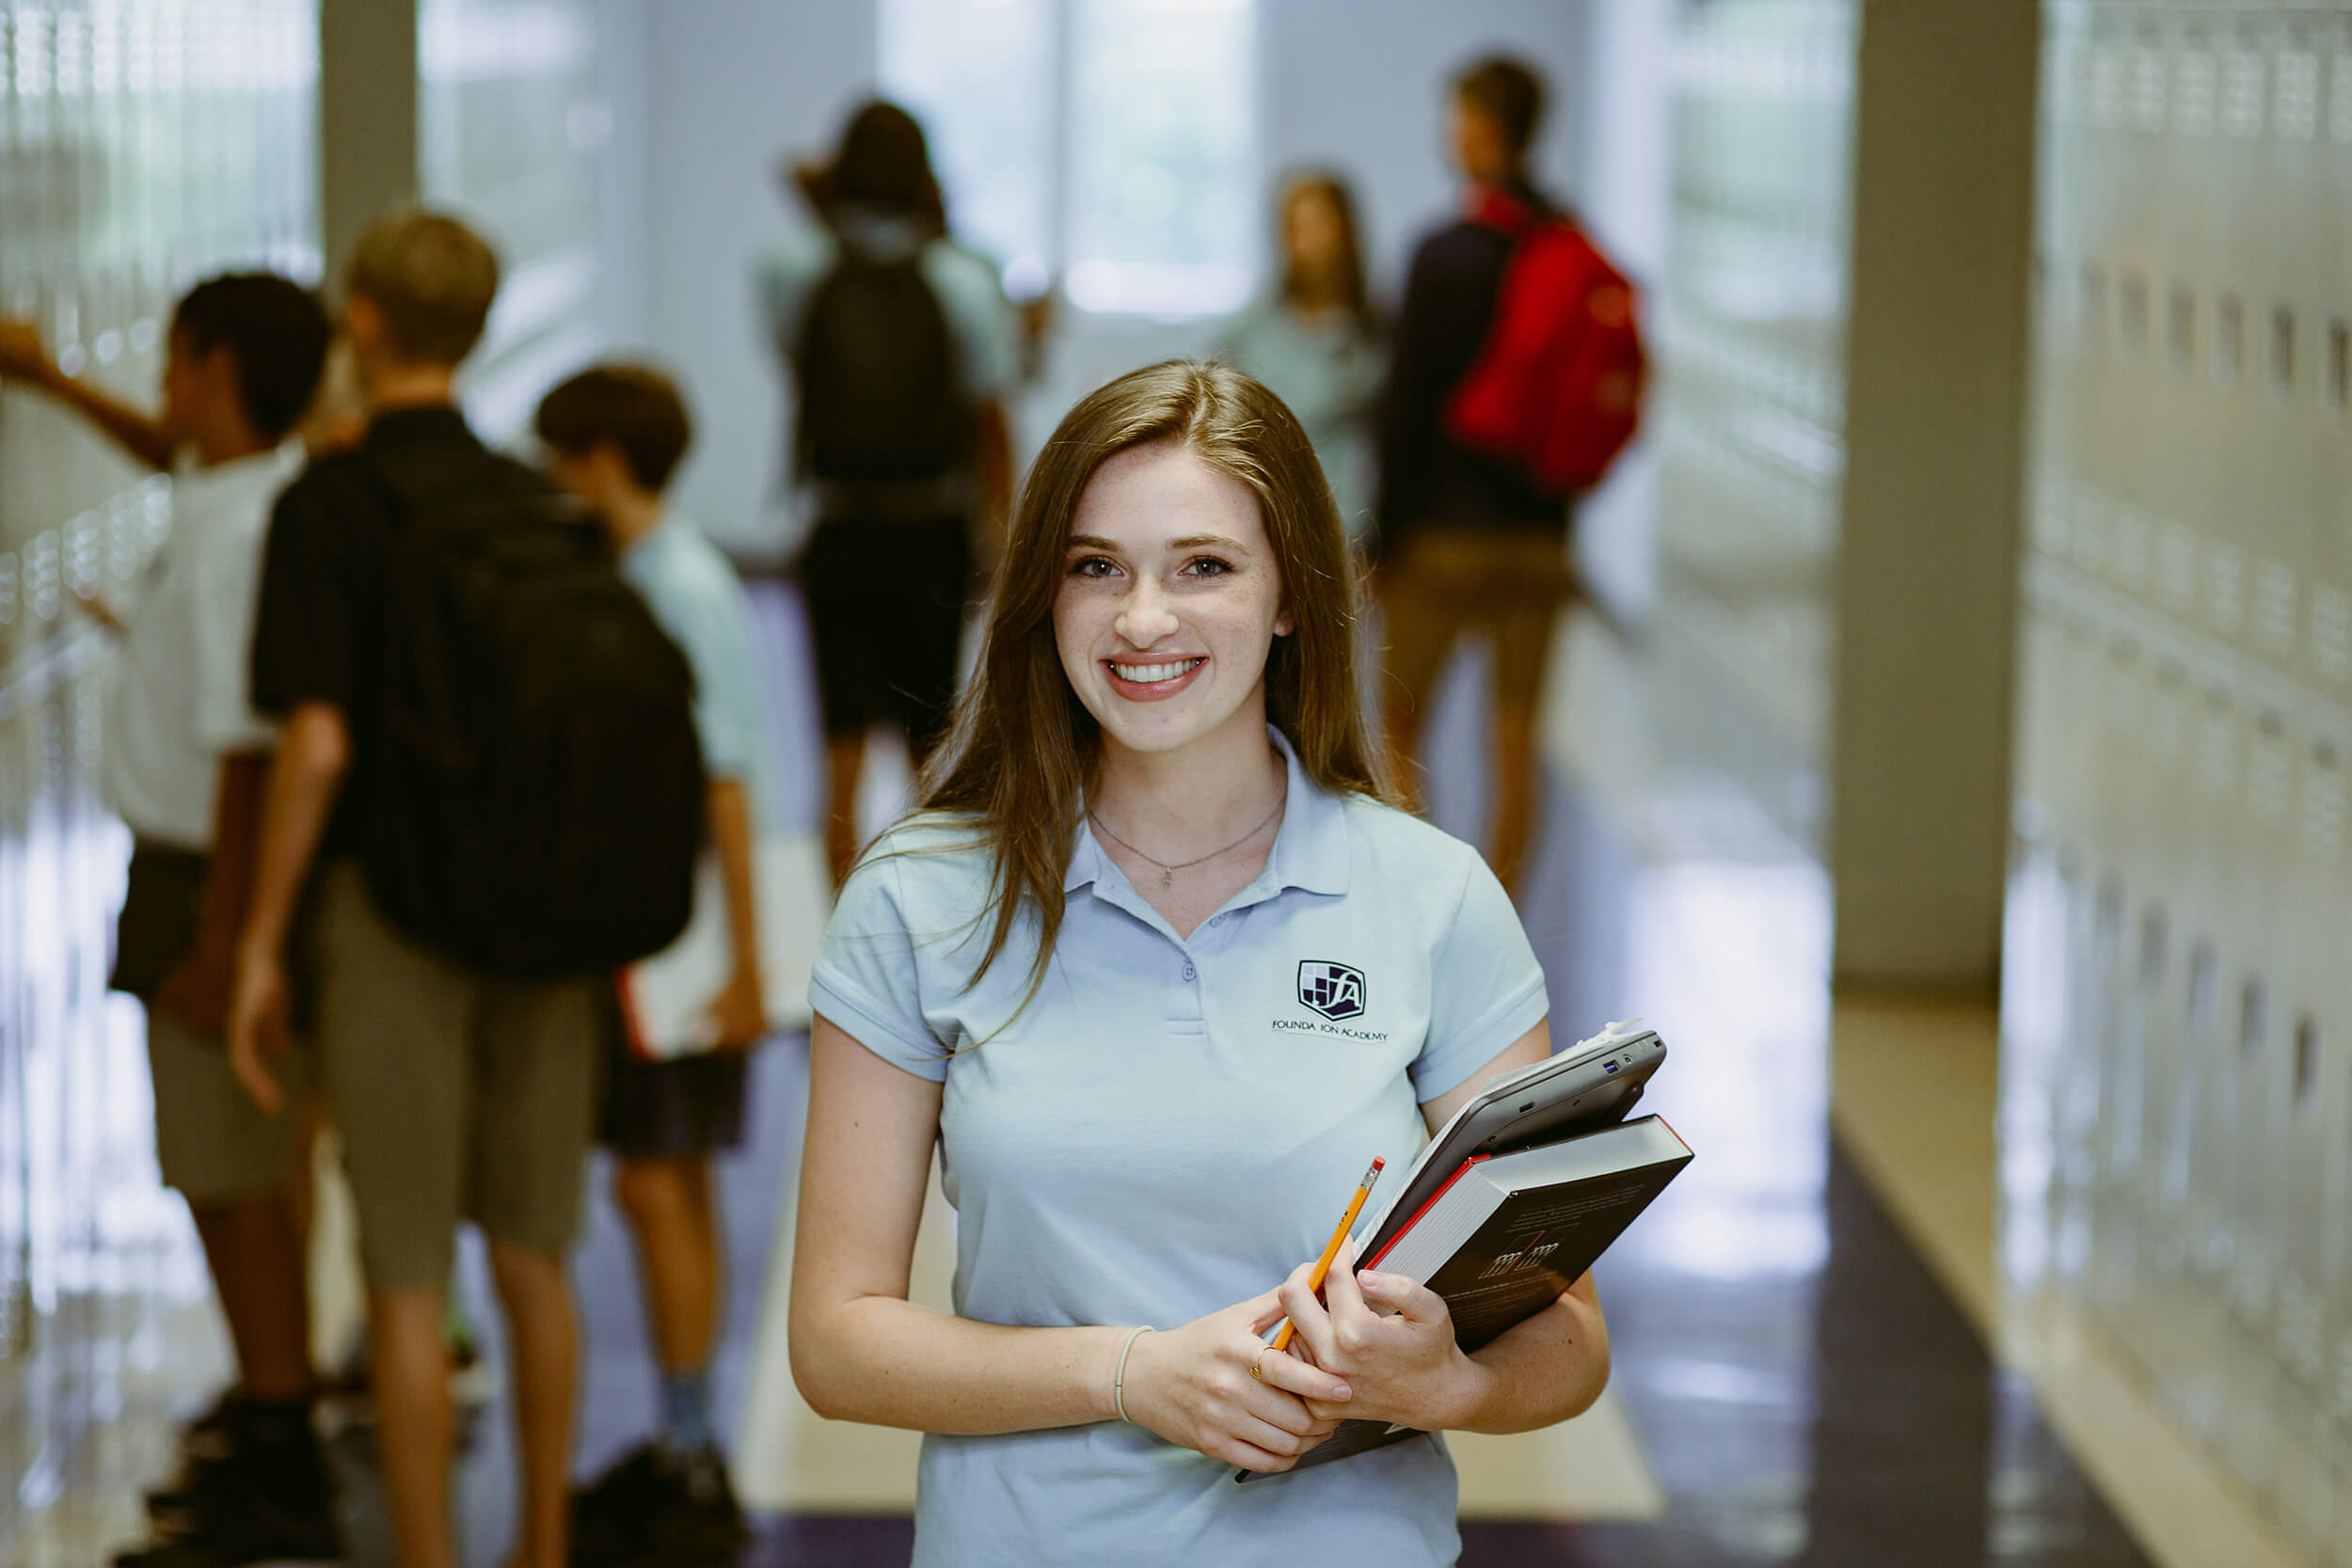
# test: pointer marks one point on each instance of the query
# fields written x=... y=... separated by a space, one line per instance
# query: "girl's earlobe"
x=1284 y=625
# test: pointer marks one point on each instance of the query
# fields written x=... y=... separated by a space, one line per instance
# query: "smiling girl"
x=1157 y=967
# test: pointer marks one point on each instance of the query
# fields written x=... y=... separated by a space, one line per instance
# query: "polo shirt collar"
x=1310 y=849
x=419 y=425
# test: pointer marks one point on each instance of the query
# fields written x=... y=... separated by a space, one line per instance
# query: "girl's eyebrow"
x=1190 y=542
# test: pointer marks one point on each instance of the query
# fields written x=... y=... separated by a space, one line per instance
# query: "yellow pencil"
x=1331 y=1247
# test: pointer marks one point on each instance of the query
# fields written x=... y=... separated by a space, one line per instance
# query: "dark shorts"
x=676 y=1109
x=885 y=610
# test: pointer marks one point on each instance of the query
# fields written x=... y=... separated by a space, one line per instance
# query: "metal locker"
x=2143 y=709
x=2194 y=750
x=2310 y=1106
x=2245 y=1067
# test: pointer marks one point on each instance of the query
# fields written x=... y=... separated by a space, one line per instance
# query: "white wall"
x=1626 y=198
x=733 y=85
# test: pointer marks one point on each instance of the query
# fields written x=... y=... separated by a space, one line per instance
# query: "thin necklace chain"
x=1167 y=872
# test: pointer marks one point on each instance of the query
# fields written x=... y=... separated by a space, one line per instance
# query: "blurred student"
x=902 y=349
x=183 y=765
x=1469 y=539
x=615 y=435
x=1315 y=340
x=486 y=751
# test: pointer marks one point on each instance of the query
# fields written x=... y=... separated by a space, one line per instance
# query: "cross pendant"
x=1168 y=875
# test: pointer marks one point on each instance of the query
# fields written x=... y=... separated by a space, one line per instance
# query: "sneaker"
x=706 y=1516
x=208 y=1436
x=264 y=1453
x=243 y=1516
x=684 y=1502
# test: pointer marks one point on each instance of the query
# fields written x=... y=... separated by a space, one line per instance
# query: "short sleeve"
x=787 y=279
x=987 y=334
x=1487 y=989
x=726 y=704
x=302 y=621
x=225 y=574
x=865 y=979
x=709 y=619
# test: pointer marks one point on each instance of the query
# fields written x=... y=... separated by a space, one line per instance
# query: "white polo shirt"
x=1171 y=1126
x=176 y=700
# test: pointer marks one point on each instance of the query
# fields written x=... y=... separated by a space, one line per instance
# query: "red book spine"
x=1405 y=1229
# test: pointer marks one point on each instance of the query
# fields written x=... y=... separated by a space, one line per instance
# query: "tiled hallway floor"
x=1797 y=1383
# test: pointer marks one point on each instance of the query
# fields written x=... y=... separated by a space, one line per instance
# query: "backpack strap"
x=1515 y=213
x=1506 y=212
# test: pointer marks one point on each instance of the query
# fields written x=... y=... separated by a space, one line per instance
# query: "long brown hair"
x=1355 y=292
x=1016 y=766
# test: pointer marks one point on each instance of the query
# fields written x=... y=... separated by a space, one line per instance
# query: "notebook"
x=665 y=998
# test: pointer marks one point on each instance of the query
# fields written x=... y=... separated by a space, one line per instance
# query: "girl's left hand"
x=1404 y=1367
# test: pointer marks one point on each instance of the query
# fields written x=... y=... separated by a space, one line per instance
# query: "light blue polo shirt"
x=1170 y=1127
x=700 y=602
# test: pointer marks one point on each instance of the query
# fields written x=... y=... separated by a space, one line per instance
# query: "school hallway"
x=1945 y=750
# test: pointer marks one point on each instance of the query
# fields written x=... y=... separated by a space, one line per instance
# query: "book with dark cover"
x=1509 y=1232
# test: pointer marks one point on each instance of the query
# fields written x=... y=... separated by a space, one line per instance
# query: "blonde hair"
x=1016 y=765
x=430 y=278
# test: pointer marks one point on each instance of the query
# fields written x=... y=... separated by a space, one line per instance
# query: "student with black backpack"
x=901 y=346
x=488 y=753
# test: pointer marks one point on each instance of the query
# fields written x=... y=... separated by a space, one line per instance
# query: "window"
x=1163 y=186
x=1110 y=142
x=978 y=72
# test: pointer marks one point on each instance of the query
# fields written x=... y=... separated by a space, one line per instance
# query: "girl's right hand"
x=1192 y=1386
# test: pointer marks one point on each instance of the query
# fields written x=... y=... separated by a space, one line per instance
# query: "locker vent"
x=2203 y=984
x=2306 y=1079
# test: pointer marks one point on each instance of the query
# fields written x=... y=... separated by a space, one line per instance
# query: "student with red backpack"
x=1515 y=382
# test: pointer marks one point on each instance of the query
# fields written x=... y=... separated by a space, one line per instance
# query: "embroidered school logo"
x=1335 y=990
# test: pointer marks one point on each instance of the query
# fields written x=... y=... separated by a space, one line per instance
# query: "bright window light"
x=1163 y=178
x=978 y=73
x=1108 y=143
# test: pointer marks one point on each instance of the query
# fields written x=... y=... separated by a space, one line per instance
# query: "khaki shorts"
x=457 y=1096
x=1507 y=585
x=214 y=1144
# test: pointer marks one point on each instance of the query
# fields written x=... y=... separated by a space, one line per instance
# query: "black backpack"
x=875 y=364
x=533 y=786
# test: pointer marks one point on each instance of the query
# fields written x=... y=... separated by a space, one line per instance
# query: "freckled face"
x=1169 y=600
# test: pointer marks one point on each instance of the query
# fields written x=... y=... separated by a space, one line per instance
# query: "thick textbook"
x=1509 y=1232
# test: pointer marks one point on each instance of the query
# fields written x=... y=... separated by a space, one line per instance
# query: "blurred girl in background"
x=1315 y=340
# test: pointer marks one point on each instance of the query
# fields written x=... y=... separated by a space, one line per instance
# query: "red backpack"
x=1558 y=386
